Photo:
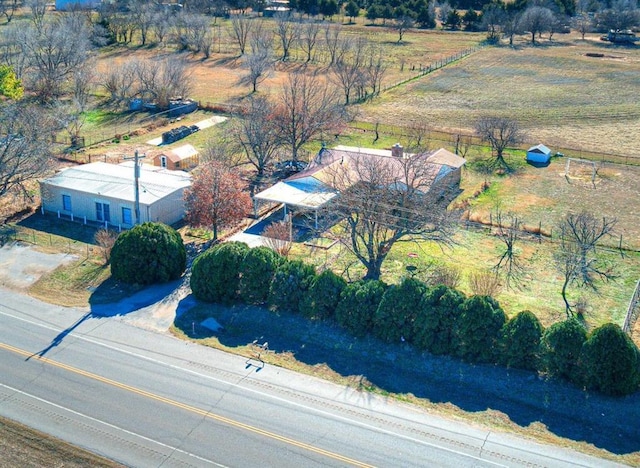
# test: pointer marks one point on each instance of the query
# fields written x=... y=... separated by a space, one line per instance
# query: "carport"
x=304 y=193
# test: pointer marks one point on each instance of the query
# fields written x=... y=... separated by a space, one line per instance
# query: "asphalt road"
x=148 y=399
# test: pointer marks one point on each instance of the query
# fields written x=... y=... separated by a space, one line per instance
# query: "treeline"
x=436 y=319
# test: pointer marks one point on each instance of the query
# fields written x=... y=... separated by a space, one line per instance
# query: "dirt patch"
x=21 y=266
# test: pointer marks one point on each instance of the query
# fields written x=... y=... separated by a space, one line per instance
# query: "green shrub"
x=609 y=361
x=561 y=346
x=256 y=273
x=148 y=253
x=393 y=321
x=323 y=296
x=215 y=274
x=290 y=285
x=479 y=327
x=520 y=341
x=358 y=304
x=435 y=326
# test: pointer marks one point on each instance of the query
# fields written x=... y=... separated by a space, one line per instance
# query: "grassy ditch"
x=23 y=446
x=501 y=399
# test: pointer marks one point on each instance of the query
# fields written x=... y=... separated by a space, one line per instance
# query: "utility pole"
x=136 y=184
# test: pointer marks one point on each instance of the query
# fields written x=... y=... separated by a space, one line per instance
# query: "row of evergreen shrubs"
x=438 y=319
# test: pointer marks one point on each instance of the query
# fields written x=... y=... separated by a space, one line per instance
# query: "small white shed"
x=539 y=154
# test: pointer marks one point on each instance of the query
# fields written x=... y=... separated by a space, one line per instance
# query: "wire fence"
x=13 y=233
x=438 y=64
x=632 y=311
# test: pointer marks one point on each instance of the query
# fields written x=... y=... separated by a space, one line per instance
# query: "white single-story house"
x=311 y=189
x=539 y=154
x=180 y=158
x=105 y=194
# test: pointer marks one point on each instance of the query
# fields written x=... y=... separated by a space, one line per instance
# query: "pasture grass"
x=558 y=95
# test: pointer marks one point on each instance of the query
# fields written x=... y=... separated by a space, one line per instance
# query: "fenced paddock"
x=558 y=95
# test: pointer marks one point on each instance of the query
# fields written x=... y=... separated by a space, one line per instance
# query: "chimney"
x=396 y=150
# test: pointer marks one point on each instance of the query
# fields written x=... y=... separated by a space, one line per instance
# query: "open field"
x=559 y=95
x=574 y=103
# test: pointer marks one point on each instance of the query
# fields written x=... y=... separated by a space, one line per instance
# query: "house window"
x=102 y=212
x=163 y=161
x=66 y=202
x=177 y=164
x=126 y=216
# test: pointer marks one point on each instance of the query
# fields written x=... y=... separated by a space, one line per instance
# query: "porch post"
x=285 y=211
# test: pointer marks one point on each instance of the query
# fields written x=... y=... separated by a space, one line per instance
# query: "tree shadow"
x=523 y=396
x=52 y=225
x=112 y=299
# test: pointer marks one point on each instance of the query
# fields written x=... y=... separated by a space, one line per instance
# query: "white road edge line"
x=300 y=405
x=55 y=405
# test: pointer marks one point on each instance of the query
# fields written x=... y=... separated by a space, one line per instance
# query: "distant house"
x=539 y=154
x=181 y=158
x=311 y=189
x=105 y=194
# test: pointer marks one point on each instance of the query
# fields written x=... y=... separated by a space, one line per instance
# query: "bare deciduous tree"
x=142 y=14
x=260 y=38
x=288 y=33
x=120 y=82
x=52 y=54
x=8 y=8
x=38 y=9
x=159 y=81
x=384 y=201
x=309 y=37
x=492 y=19
x=507 y=228
x=576 y=258
x=240 y=28
x=376 y=69
x=537 y=20
x=582 y=23
x=500 y=133
x=257 y=133
x=347 y=71
x=402 y=25
x=161 y=26
x=332 y=42
x=623 y=14
x=258 y=63
x=25 y=147
x=194 y=32
x=511 y=25
x=306 y=110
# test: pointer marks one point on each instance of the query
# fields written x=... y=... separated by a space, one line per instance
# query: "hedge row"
x=438 y=319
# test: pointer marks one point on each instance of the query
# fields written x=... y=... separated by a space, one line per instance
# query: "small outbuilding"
x=181 y=158
x=539 y=154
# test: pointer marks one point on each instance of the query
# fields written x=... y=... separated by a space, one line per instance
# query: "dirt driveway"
x=21 y=265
